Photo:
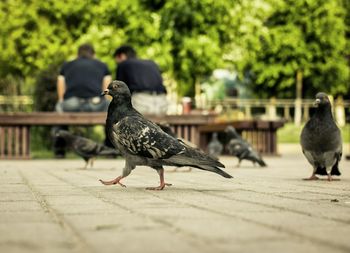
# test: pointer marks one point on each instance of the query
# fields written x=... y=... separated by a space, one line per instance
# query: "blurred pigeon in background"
x=167 y=129
x=214 y=146
x=86 y=148
x=142 y=142
x=241 y=149
x=321 y=140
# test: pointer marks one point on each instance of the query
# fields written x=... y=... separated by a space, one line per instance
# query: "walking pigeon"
x=85 y=148
x=214 y=146
x=321 y=140
x=241 y=148
x=143 y=142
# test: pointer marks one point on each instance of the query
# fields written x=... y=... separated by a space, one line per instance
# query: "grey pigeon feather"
x=321 y=140
x=86 y=148
x=143 y=142
x=214 y=146
x=241 y=149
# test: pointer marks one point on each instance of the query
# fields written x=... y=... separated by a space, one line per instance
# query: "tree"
x=306 y=36
x=268 y=40
x=197 y=31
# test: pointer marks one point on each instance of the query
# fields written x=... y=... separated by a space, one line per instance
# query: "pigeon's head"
x=63 y=133
x=231 y=130
x=116 y=89
x=321 y=99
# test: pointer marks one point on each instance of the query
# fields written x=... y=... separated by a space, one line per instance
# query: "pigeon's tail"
x=261 y=162
x=215 y=170
x=321 y=171
x=335 y=169
x=108 y=151
x=198 y=159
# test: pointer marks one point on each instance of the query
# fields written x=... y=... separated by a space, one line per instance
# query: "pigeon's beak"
x=105 y=92
x=317 y=102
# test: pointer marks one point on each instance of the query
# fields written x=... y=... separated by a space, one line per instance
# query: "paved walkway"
x=53 y=206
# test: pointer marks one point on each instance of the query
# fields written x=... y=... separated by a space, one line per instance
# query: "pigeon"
x=214 y=146
x=143 y=142
x=240 y=148
x=86 y=148
x=321 y=140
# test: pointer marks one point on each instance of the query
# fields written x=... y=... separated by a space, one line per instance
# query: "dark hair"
x=86 y=50
x=129 y=51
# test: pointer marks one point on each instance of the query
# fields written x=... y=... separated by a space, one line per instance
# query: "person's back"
x=83 y=77
x=140 y=75
x=144 y=80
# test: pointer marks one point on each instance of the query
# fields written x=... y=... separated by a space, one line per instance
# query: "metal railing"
x=16 y=104
x=288 y=109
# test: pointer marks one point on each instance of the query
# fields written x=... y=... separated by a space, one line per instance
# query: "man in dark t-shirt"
x=81 y=81
x=79 y=85
x=144 y=80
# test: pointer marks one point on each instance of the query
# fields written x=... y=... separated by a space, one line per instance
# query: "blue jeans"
x=75 y=104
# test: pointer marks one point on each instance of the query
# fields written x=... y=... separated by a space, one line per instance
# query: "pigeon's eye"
x=115 y=86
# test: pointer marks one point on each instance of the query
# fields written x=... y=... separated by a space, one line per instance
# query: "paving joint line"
x=56 y=217
x=275 y=228
x=168 y=225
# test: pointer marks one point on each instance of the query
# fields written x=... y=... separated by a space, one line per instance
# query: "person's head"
x=86 y=51
x=123 y=53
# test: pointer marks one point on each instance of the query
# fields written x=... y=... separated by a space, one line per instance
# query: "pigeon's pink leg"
x=162 y=182
x=329 y=177
x=313 y=177
x=114 y=181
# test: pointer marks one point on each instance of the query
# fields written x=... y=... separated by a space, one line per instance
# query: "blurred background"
x=239 y=59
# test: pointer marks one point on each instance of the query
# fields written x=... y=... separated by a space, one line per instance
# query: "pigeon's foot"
x=313 y=177
x=114 y=181
x=158 y=188
x=162 y=182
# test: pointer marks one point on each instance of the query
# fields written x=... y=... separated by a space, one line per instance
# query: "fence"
x=269 y=109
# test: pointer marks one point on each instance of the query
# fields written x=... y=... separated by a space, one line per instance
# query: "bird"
x=86 y=148
x=321 y=140
x=143 y=142
x=241 y=149
x=214 y=146
x=167 y=129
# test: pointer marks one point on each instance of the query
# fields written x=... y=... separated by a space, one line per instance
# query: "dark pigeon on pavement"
x=86 y=148
x=214 y=146
x=321 y=140
x=241 y=149
x=143 y=142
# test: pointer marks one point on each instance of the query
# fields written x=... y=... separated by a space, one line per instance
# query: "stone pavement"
x=53 y=206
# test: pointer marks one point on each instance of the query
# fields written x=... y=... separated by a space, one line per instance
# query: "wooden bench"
x=15 y=129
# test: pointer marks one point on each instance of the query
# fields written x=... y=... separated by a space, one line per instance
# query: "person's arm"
x=61 y=88
x=106 y=80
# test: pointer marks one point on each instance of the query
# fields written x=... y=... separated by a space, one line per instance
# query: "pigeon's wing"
x=237 y=147
x=144 y=138
x=85 y=147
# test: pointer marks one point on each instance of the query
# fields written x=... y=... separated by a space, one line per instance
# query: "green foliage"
x=303 y=35
x=290 y=133
x=268 y=39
